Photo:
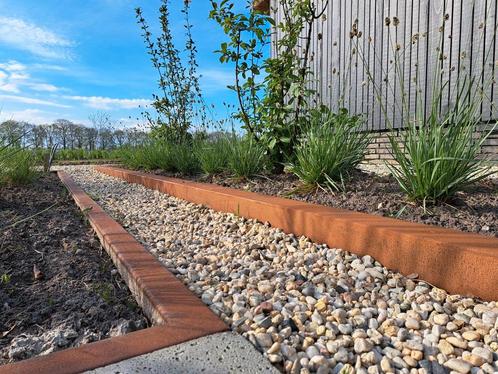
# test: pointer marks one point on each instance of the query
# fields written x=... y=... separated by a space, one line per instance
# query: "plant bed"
x=473 y=210
x=58 y=288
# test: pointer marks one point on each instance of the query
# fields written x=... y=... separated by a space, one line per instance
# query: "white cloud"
x=107 y=103
x=34 y=116
x=44 y=87
x=14 y=76
x=12 y=66
x=32 y=101
x=32 y=38
x=216 y=79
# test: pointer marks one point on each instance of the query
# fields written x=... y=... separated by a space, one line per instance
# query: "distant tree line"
x=102 y=134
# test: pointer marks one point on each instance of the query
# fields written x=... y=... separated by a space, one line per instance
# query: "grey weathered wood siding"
x=341 y=66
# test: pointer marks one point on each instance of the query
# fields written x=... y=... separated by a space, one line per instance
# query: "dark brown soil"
x=58 y=288
x=473 y=210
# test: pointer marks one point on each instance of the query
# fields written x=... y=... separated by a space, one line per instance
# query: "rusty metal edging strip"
x=459 y=262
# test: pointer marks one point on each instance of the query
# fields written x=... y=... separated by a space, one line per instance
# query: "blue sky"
x=69 y=59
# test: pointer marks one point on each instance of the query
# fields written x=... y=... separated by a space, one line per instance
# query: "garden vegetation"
x=284 y=125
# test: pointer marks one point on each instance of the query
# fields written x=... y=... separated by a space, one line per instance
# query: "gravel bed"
x=308 y=307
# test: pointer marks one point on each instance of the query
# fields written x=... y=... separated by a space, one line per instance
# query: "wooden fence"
x=416 y=39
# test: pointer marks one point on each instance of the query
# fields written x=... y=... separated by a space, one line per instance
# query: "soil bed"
x=473 y=210
x=58 y=287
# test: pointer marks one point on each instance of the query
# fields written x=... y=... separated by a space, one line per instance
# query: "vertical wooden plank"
x=494 y=70
x=385 y=65
x=396 y=76
x=422 y=59
x=399 y=57
x=452 y=36
x=346 y=54
x=415 y=60
x=378 y=50
x=364 y=28
x=372 y=63
x=433 y=78
x=314 y=60
x=328 y=51
x=488 y=58
x=353 y=60
x=336 y=53
x=411 y=14
x=323 y=51
x=478 y=45
x=446 y=54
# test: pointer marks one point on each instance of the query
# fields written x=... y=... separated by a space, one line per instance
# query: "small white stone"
x=459 y=366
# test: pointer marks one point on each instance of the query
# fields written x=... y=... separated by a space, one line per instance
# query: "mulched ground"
x=58 y=288
x=474 y=210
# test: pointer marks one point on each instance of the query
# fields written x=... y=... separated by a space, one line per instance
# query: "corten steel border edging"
x=102 y=353
x=461 y=263
x=167 y=302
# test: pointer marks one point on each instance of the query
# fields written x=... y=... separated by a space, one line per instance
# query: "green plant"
x=437 y=157
x=105 y=291
x=184 y=159
x=5 y=279
x=330 y=149
x=247 y=34
x=180 y=99
x=273 y=109
x=17 y=166
x=437 y=152
x=163 y=155
x=246 y=157
x=289 y=95
x=213 y=155
x=155 y=155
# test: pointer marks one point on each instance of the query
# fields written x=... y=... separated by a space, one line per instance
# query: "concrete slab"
x=214 y=354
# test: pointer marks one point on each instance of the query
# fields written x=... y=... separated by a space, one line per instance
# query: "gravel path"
x=308 y=307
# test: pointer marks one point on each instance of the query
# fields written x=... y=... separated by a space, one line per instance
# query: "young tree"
x=179 y=104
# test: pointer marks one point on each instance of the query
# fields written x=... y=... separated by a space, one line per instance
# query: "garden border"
x=167 y=302
x=459 y=262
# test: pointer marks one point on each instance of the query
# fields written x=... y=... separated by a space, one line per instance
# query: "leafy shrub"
x=246 y=157
x=213 y=155
x=329 y=150
x=17 y=166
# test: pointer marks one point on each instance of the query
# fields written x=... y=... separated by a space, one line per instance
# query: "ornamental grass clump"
x=246 y=157
x=437 y=152
x=155 y=155
x=17 y=166
x=437 y=157
x=329 y=150
x=213 y=155
x=183 y=158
